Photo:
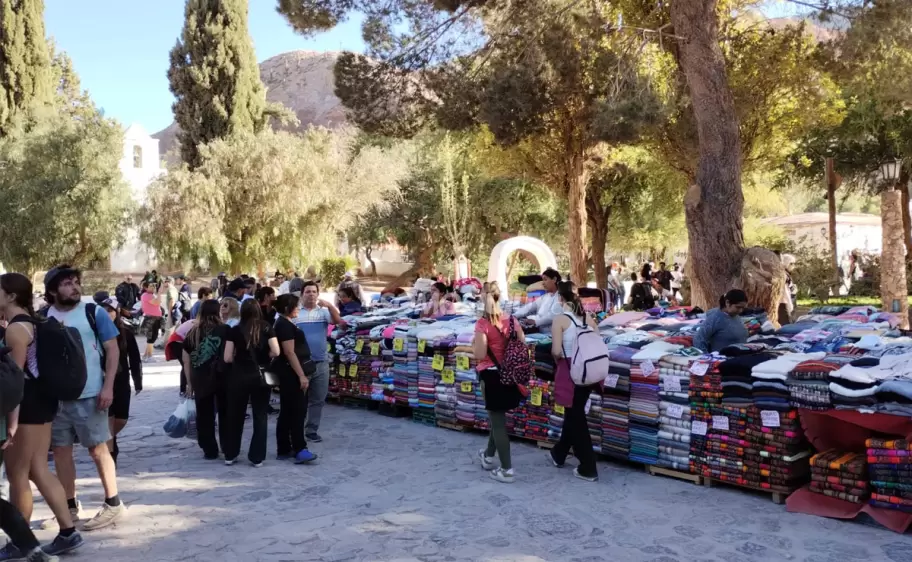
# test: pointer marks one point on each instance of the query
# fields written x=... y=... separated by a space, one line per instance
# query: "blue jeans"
x=319 y=388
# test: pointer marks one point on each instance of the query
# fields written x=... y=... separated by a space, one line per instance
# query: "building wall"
x=866 y=238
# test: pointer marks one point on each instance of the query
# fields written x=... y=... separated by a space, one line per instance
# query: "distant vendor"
x=723 y=326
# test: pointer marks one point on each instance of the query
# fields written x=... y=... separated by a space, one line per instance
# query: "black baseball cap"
x=53 y=276
x=237 y=284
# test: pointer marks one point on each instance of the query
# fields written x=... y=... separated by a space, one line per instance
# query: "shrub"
x=332 y=271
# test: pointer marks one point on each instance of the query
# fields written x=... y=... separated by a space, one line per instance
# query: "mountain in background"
x=302 y=81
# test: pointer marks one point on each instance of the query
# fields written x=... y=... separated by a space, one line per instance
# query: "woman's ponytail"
x=567 y=292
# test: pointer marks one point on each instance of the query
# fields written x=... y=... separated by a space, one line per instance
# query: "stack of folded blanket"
x=853 y=387
x=594 y=420
x=808 y=384
x=705 y=391
x=616 y=405
x=538 y=416
x=725 y=443
x=890 y=470
x=768 y=379
x=644 y=414
x=776 y=453
x=840 y=475
x=674 y=412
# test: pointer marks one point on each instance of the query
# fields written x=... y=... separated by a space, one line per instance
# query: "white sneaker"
x=501 y=475
x=582 y=477
x=74 y=515
x=105 y=516
x=487 y=463
x=230 y=462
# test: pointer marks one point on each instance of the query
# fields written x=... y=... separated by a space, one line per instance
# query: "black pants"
x=15 y=526
x=292 y=416
x=207 y=408
x=237 y=396
x=575 y=433
x=183 y=381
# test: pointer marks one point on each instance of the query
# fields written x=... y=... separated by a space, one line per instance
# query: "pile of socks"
x=776 y=454
x=890 y=470
x=840 y=475
x=616 y=405
x=674 y=412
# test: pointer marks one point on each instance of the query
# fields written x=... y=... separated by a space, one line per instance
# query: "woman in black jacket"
x=130 y=367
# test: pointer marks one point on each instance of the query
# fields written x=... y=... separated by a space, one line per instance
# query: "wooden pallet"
x=662 y=471
x=359 y=403
x=393 y=410
x=544 y=444
x=452 y=426
x=778 y=497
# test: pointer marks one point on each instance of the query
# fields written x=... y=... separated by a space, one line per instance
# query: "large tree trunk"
x=893 y=292
x=714 y=204
x=575 y=178
x=599 y=224
x=368 y=253
x=907 y=218
x=832 y=183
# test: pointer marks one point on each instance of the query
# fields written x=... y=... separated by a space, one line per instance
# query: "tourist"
x=293 y=368
x=541 y=312
x=723 y=326
x=235 y=290
x=348 y=282
x=641 y=295
x=86 y=417
x=184 y=297
x=310 y=274
x=438 y=305
x=615 y=288
x=128 y=294
x=204 y=294
x=153 y=279
x=249 y=347
x=628 y=288
x=203 y=348
x=250 y=287
x=646 y=273
x=284 y=288
x=349 y=303
x=29 y=427
x=266 y=297
x=230 y=311
x=314 y=317
x=152 y=317
x=573 y=397
x=130 y=367
x=664 y=277
x=660 y=292
x=491 y=333
x=676 y=278
x=169 y=303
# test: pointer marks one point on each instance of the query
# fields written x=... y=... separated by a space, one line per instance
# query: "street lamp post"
x=893 y=293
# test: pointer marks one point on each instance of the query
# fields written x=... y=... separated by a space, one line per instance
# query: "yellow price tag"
x=359 y=345
x=558 y=409
x=421 y=345
x=329 y=347
x=375 y=348
x=536 y=397
x=437 y=365
x=448 y=377
x=462 y=363
x=353 y=371
x=398 y=344
x=341 y=369
x=465 y=386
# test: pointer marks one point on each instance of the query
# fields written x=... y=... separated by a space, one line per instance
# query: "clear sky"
x=120 y=49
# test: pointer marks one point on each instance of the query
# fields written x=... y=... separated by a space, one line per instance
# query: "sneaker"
x=576 y=473
x=52 y=522
x=487 y=463
x=62 y=544
x=10 y=552
x=38 y=555
x=304 y=456
x=314 y=437
x=554 y=462
x=230 y=462
x=283 y=457
x=256 y=464
x=105 y=516
x=501 y=475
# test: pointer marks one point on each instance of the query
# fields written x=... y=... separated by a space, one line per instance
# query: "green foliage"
x=64 y=199
x=332 y=270
x=25 y=75
x=215 y=77
x=812 y=273
x=269 y=197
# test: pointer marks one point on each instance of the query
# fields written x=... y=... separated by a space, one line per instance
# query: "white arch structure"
x=497 y=265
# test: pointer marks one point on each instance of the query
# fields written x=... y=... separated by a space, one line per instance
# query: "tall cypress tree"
x=25 y=65
x=214 y=76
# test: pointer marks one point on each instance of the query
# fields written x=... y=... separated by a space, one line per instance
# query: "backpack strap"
x=91 y=309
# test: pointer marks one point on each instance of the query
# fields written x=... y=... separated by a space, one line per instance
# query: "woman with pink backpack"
x=573 y=396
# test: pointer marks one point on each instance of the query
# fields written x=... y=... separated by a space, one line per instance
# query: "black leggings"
x=575 y=434
x=15 y=526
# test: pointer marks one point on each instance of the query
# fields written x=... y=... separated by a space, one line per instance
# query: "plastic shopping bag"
x=191 y=419
x=176 y=426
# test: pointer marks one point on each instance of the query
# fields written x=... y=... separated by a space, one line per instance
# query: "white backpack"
x=590 y=362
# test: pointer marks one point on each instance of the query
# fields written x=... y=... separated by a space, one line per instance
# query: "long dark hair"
x=286 y=303
x=19 y=285
x=252 y=322
x=122 y=331
x=567 y=292
x=208 y=319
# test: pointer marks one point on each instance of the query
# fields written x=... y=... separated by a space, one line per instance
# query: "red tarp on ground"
x=847 y=430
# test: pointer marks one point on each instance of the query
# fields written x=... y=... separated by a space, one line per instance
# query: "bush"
x=813 y=274
x=333 y=270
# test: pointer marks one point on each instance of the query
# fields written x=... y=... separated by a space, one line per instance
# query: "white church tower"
x=140 y=165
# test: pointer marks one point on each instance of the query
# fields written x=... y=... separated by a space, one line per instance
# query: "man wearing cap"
x=86 y=417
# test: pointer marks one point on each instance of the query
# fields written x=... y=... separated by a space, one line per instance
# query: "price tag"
x=647 y=367
x=353 y=371
x=611 y=381
x=448 y=377
x=720 y=423
x=465 y=386
x=699 y=369
x=558 y=409
x=462 y=363
x=398 y=344
x=421 y=345
x=672 y=384
x=437 y=364
x=341 y=369
x=675 y=411
x=770 y=418
x=375 y=348
x=698 y=428
x=536 y=397
x=359 y=345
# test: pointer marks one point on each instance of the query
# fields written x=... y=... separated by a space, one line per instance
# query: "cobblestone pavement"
x=388 y=489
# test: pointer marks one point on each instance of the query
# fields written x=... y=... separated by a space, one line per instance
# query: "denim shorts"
x=80 y=418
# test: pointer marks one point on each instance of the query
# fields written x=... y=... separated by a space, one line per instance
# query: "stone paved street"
x=391 y=490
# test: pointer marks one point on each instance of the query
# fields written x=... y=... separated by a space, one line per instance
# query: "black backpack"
x=641 y=297
x=62 y=370
x=12 y=383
